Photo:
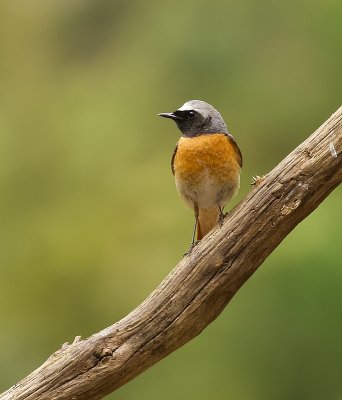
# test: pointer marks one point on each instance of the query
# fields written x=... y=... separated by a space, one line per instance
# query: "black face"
x=191 y=122
x=196 y=118
x=185 y=114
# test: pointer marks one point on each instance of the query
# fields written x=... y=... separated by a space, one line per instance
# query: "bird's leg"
x=194 y=232
x=221 y=216
x=195 y=226
x=193 y=242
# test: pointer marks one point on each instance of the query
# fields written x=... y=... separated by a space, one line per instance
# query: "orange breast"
x=211 y=153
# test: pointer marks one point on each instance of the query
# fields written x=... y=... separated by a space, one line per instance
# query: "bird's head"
x=196 y=117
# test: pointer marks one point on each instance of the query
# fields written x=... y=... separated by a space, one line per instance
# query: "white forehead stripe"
x=186 y=107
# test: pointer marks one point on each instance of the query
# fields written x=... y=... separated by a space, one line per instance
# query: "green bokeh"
x=90 y=218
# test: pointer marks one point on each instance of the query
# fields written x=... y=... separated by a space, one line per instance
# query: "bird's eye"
x=191 y=113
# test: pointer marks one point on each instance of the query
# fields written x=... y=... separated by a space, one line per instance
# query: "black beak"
x=170 y=115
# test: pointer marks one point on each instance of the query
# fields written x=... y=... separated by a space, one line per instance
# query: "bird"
x=206 y=163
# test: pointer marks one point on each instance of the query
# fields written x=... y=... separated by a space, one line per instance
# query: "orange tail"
x=207 y=219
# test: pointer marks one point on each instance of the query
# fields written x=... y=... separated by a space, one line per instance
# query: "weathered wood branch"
x=201 y=285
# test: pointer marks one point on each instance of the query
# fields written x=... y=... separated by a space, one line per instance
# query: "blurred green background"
x=90 y=218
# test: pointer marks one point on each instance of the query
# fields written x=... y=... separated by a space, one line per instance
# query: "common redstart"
x=206 y=163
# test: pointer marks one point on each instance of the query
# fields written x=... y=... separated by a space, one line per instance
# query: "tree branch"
x=201 y=285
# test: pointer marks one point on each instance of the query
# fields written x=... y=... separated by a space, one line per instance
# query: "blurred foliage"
x=90 y=218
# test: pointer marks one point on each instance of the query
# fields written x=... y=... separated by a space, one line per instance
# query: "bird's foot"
x=192 y=246
x=221 y=216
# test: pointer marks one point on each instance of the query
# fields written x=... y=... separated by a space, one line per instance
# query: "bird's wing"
x=236 y=147
x=173 y=159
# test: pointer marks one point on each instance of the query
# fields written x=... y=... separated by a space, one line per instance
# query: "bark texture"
x=201 y=285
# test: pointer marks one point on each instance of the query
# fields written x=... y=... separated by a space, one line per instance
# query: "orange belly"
x=207 y=172
x=213 y=153
x=206 y=169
